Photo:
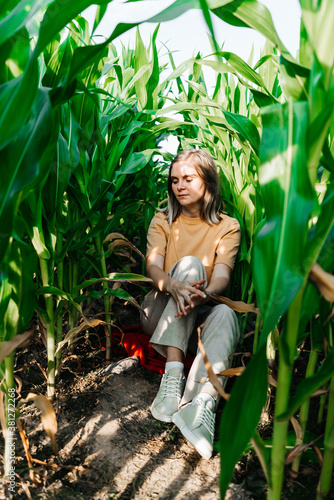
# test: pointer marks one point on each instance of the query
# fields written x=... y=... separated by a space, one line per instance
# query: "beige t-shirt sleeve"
x=157 y=236
x=228 y=245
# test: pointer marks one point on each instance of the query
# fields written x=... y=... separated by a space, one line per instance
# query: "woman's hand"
x=218 y=283
x=187 y=295
x=183 y=292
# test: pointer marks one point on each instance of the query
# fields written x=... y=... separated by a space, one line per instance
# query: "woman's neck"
x=192 y=213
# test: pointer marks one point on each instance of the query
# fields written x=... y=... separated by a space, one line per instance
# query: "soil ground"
x=110 y=447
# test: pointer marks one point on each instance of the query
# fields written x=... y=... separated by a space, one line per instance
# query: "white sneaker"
x=196 y=421
x=167 y=401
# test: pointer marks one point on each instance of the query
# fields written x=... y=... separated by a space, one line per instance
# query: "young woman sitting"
x=191 y=250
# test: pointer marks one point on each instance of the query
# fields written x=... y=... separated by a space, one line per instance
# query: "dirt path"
x=111 y=447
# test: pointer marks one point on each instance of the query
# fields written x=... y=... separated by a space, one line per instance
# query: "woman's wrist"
x=169 y=284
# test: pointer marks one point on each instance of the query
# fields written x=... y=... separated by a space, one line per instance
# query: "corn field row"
x=83 y=172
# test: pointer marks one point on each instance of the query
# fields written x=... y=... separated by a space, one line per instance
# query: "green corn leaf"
x=241 y=415
x=53 y=290
x=17 y=289
x=320 y=249
x=141 y=63
x=309 y=385
x=251 y=14
x=83 y=56
x=22 y=158
x=153 y=82
x=56 y=18
x=100 y=11
x=242 y=68
x=239 y=124
x=95 y=263
x=262 y=99
x=128 y=277
x=111 y=277
x=294 y=80
x=16 y=99
x=280 y=261
x=318 y=17
x=21 y=14
x=112 y=292
x=137 y=161
x=318 y=133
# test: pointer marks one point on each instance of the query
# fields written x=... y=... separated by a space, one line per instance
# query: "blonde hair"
x=206 y=169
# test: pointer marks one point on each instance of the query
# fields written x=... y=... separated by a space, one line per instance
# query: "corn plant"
x=295 y=136
x=38 y=76
x=80 y=137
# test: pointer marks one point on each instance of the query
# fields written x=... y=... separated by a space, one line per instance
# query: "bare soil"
x=110 y=447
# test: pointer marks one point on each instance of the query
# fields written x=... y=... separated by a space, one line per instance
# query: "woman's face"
x=188 y=188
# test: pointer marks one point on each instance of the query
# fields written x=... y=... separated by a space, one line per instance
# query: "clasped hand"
x=187 y=295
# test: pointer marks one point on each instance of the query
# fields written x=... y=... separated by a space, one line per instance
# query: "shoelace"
x=171 y=386
x=206 y=417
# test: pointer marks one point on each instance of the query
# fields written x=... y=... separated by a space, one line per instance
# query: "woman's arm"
x=220 y=279
x=182 y=291
x=218 y=283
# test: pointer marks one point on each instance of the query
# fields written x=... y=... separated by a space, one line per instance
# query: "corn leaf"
x=279 y=259
x=309 y=385
x=20 y=16
x=251 y=14
x=241 y=415
x=48 y=416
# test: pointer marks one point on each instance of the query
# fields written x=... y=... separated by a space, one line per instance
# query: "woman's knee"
x=223 y=311
x=152 y=308
x=189 y=267
x=223 y=316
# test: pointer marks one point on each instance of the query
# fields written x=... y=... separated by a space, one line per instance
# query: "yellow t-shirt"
x=212 y=244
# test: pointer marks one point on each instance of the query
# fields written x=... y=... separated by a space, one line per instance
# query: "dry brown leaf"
x=25 y=487
x=18 y=380
x=125 y=243
x=63 y=361
x=318 y=453
x=323 y=281
x=48 y=417
x=74 y=331
x=243 y=355
x=35 y=478
x=233 y=372
x=297 y=450
x=319 y=392
x=272 y=380
x=7 y=347
x=112 y=236
x=229 y=373
x=2 y=413
x=45 y=375
x=297 y=428
x=236 y=305
x=120 y=240
x=53 y=466
x=211 y=375
x=115 y=285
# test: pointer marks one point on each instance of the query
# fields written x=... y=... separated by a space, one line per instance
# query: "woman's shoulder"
x=160 y=222
x=228 y=222
x=159 y=218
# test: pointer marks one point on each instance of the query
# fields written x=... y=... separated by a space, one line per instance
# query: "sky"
x=187 y=35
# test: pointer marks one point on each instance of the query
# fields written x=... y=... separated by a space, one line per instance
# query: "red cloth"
x=136 y=343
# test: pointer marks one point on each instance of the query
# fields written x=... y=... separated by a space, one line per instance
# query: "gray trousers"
x=220 y=330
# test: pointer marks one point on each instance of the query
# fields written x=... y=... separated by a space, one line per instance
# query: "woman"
x=191 y=249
